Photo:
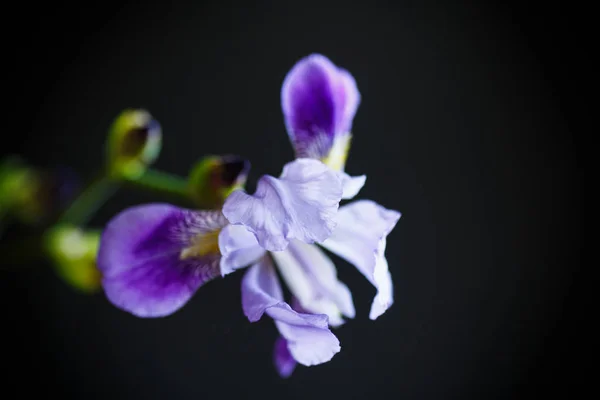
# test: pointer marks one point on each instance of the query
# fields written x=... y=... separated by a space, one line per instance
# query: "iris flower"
x=154 y=257
x=319 y=101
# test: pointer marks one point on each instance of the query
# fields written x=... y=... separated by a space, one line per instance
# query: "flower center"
x=202 y=245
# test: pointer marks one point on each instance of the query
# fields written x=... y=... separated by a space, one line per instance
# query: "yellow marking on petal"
x=202 y=245
x=336 y=159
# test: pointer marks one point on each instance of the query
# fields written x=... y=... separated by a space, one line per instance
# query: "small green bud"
x=17 y=184
x=73 y=252
x=33 y=195
x=213 y=178
x=134 y=143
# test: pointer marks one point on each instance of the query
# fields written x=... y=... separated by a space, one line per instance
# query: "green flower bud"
x=134 y=143
x=33 y=195
x=73 y=252
x=17 y=184
x=215 y=177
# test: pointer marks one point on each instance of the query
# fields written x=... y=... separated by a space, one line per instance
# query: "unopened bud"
x=215 y=177
x=34 y=195
x=134 y=143
x=73 y=252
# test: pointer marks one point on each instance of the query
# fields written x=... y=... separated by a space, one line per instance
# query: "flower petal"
x=360 y=238
x=309 y=340
x=385 y=288
x=282 y=358
x=312 y=279
x=351 y=185
x=301 y=205
x=239 y=248
x=142 y=256
x=318 y=100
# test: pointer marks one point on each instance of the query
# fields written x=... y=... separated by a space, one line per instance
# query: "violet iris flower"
x=154 y=257
x=319 y=101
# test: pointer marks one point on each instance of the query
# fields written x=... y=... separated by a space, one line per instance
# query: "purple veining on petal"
x=360 y=238
x=282 y=358
x=140 y=257
x=301 y=204
x=309 y=340
x=318 y=100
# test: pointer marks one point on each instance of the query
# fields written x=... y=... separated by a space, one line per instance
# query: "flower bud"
x=16 y=184
x=73 y=252
x=215 y=177
x=134 y=143
x=33 y=195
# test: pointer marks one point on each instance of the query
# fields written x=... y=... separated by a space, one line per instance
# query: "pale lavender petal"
x=142 y=263
x=385 y=288
x=318 y=100
x=301 y=205
x=282 y=358
x=239 y=248
x=309 y=340
x=351 y=185
x=312 y=278
x=360 y=238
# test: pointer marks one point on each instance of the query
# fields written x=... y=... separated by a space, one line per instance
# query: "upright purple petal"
x=312 y=278
x=301 y=205
x=319 y=101
x=309 y=340
x=153 y=257
x=360 y=238
x=239 y=248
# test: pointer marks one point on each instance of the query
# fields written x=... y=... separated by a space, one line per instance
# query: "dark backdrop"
x=462 y=128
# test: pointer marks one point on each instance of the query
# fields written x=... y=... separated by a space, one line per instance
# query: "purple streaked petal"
x=239 y=248
x=301 y=205
x=312 y=279
x=349 y=91
x=141 y=258
x=309 y=340
x=282 y=358
x=360 y=238
x=318 y=100
x=351 y=185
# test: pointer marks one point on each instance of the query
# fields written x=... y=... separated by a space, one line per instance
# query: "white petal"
x=301 y=205
x=385 y=288
x=312 y=279
x=360 y=238
x=238 y=248
x=351 y=185
x=308 y=337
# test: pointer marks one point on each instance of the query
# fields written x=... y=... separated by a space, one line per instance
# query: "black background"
x=463 y=128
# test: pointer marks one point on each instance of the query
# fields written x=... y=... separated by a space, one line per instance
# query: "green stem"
x=89 y=201
x=162 y=182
